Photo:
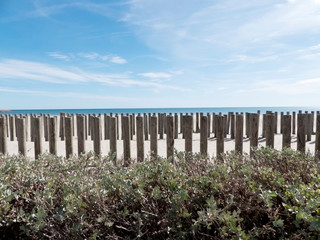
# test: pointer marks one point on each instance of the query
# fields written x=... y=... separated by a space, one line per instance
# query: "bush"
x=273 y=195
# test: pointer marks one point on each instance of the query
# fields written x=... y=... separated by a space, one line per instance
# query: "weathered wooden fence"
x=75 y=131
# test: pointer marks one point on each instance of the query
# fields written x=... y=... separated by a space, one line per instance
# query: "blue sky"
x=159 y=53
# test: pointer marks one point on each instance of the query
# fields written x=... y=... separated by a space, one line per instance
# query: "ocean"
x=223 y=110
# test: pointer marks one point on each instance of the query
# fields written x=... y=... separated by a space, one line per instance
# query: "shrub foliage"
x=272 y=195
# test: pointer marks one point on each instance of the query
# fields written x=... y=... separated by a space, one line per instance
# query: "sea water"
x=223 y=110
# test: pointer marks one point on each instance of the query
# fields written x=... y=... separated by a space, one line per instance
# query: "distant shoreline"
x=223 y=110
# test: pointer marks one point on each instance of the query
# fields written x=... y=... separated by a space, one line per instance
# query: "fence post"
x=31 y=127
x=27 y=126
x=69 y=137
x=73 y=124
x=270 y=119
x=96 y=131
x=12 y=128
x=197 y=122
x=106 y=127
x=228 y=123
x=86 y=126
x=208 y=124
x=239 y=134
x=3 y=135
x=89 y=124
x=306 y=123
x=15 y=125
x=113 y=138
x=204 y=136
x=232 y=125
x=225 y=125
x=46 y=127
x=92 y=124
x=160 y=119
x=146 y=128
x=149 y=122
x=37 y=137
x=213 y=124
x=220 y=136
x=309 y=126
x=312 y=122
x=117 y=125
x=301 y=136
x=293 y=122
x=264 y=125
x=131 y=126
x=121 y=117
x=176 y=126
x=153 y=136
x=170 y=137
x=164 y=117
x=126 y=141
x=253 y=132
x=21 y=136
x=281 y=122
x=53 y=135
x=140 y=141
x=286 y=135
x=188 y=130
x=81 y=134
x=7 y=117
x=317 y=144
x=181 y=123
x=247 y=125
x=275 y=121
x=62 y=125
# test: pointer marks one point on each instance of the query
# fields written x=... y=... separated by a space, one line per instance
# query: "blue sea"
x=223 y=110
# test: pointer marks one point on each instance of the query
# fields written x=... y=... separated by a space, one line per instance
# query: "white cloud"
x=96 y=56
x=59 y=56
x=26 y=70
x=206 y=30
x=104 y=58
x=118 y=60
x=76 y=95
x=285 y=87
x=34 y=71
x=91 y=56
x=155 y=75
x=315 y=47
x=309 y=81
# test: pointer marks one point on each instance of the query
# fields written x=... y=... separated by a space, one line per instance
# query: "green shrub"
x=273 y=195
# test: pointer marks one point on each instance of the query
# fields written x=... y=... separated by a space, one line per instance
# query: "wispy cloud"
x=309 y=81
x=59 y=56
x=92 y=56
x=34 y=71
x=118 y=60
x=76 y=95
x=207 y=31
x=156 y=75
x=44 y=9
x=284 y=87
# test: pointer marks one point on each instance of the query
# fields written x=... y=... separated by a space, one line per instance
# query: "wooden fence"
x=143 y=131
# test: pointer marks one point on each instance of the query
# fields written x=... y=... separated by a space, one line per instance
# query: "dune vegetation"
x=273 y=195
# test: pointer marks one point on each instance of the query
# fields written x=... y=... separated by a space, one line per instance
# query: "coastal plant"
x=272 y=195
